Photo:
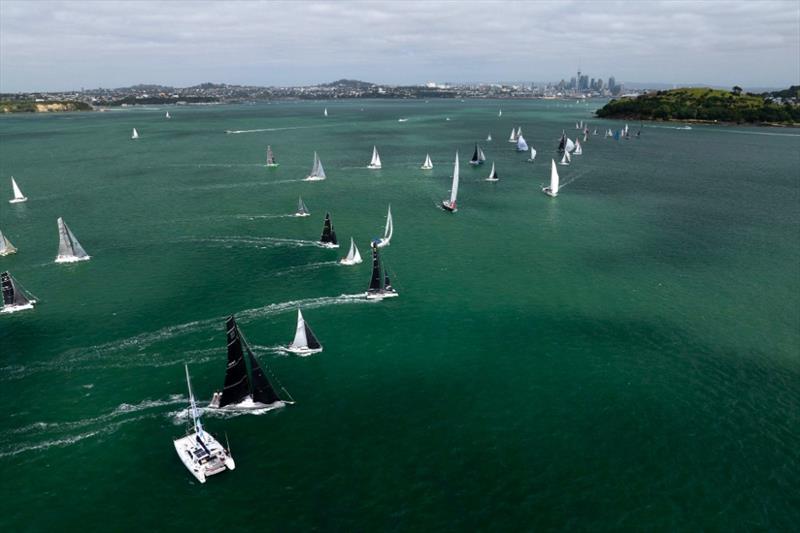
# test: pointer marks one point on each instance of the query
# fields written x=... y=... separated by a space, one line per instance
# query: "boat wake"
x=257 y=242
x=234 y=132
x=305 y=268
x=216 y=186
x=574 y=178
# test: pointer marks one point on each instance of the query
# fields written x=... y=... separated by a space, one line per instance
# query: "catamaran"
x=478 y=158
x=522 y=146
x=305 y=342
x=565 y=159
x=271 y=162
x=533 y=155
x=328 y=237
x=317 y=172
x=493 y=174
x=134 y=134
x=379 y=286
x=513 y=137
x=199 y=451
x=450 y=205
x=353 y=256
x=552 y=190
x=69 y=249
x=428 y=164
x=6 y=248
x=15 y=297
x=387 y=231
x=578 y=150
x=18 y=196
x=302 y=210
x=375 y=163
x=246 y=385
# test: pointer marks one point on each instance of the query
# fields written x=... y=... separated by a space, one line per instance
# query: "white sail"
x=326 y=112
x=578 y=149
x=553 y=178
x=513 y=137
x=454 y=189
x=167 y=115
x=375 y=163
x=533 y=153
x=18 y=196
x=317 y=172
x=300 y=340
x=481 y=155
x=522 y=146
x=519 y=131
x=428 y=164
x=134 y=134
x=388 y=230
x=489 y=137
x=6 y=248
x=569 y=146
x=302 y=210
x=564 y=159
x=353 y=256
x=69 y=249
x=491 y=174
x=500 y=113
x=576 y=126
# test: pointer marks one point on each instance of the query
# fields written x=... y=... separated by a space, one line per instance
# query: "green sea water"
x=623 y=357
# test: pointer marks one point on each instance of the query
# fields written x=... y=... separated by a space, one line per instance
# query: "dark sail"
x=562 y=143
x=375 y=281
x=262 y=388
x=327 y=231
x=475 y=155
x=387 y=285
x=311 y=339
x=236 y=386
x=11 y=294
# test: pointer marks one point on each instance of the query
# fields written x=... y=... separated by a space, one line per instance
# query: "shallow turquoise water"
x=626 y=356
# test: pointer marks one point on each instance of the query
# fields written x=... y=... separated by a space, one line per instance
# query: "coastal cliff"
x=28 y=106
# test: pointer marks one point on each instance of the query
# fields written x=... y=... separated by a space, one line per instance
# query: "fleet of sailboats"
x=353 y=256
x=271 y=162
x=552 y=189
x=69 y=249
x=15 y=297
x=379 y=285
x=305 y=342
x=18 y=196
x=317 y=172
x=302 y=210
x=388 y=231
x=428 y=164
x=375 y=162
x=246 y=386
x=198 y=450
x=6 y=248
x=328 y=237
x=450 y=205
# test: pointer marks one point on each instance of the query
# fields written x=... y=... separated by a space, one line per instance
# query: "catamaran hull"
x=549 y=192
x=71 y=259
x=219 y=463
x=18 y=200
x=14 y=308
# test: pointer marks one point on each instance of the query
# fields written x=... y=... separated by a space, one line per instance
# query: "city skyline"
x=69 y=45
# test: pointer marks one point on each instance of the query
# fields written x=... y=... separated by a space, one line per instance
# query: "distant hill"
x=349 y=84
x=30 y=106
x=703 y=105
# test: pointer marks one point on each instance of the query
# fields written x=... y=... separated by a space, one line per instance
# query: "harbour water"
x=625 y=356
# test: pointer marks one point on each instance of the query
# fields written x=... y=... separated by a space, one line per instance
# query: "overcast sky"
x=53 y=45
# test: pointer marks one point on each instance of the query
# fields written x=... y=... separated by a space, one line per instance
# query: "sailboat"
x=375 y=163
x=302 y=210
x=271 y=162
x=428 y=164
x=513 y=137
x=522 y=146
x=379 y=286
x=199 y=451
x=246 y=386
x=325 y=112
x=577 y=127
x=578 y=149
x=493 y=174
x=450 y=205
x=500 y=113
x=18 y=196
x=317 y=172
x=489 y=138
x=562 y=142
x=478 y=157
x=533 y=155
x=552 y=190
x=387 y=231
x=569 y=146
x=167 y=115
x=15 y=297
x=305 y=342
x=565 y=159
x=69 y=249
x=594 y=132
x=353 y=256
x=134 y=134
x=6 y=248
x=328 y=237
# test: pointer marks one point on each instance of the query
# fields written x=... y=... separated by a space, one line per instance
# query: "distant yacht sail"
x=478 y=158
x=388 y=230
x=198 y=450
x=500 y=113
x=325 y=112
x=428 y=164
x=302 y=210
x=317 y=172
x=562 y=142
x=552 y=190
x=134 y=134
x=246 y=386
x=578 y=150
x=519 y=132
x=569 y=146
x=375 y=163
x=533 y=155
x=353 y=256
x=450 y=205
x=513 y=137
x=271 y=162
x=167 y=115
x=328 y=237
x=493 y=174
x=15 y=297
x=18 y=196
x=69 y=249
x=305 y=342
x=522 y=146
x=6 y=248
x=489 y=138
x=565 y=159
x=379 y=285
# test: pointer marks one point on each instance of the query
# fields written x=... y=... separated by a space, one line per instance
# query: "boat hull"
x=327 y=245
x=492 y=179
x=302 y=214
x=273 y=165
x=71 y=259
x=380 y=243
x=218 y=461
x=423 y=167
x=549 y=192
x=313 y=178
x=447 y=207
x=374 y=167
x=245 y=405
x=476 y=163
x=303 y=352
x=18 y=200
x=8 y=309
x=380 y=295
x=349 y=262
x=7 y=252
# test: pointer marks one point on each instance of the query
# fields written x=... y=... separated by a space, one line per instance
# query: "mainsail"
x=375 y=280
x=271 y=157
x=522 y=146
x=317 y=172
x=375 y=163
x=18 y=196
x=134 y=134
x=238 y=384
x=565 y=159
x=388 y=230
x=451 y=204
x=513 y=137
x=553 y=178
x=533 y=153
x=493 y=175
x=569 y=145
x=578 y=149
x=304 y=338
x=6 y=248
x=69 y=249
x=328 y=234
x=13 y=295
x=428 y=164
x=302 y=210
